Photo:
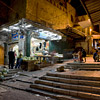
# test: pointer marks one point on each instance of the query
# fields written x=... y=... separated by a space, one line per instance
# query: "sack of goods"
x=60 y=69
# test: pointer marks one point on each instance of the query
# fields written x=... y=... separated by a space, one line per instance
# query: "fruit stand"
x=29 y=64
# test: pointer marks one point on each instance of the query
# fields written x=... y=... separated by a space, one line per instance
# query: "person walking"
x=11 y=59
x=95 y=56
x=84 y=54
x=80 y=55
x=19 y=60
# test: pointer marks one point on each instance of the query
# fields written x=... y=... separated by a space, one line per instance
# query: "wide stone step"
x=81 y=65
x=84 y=64
x=6 y=78
x=77 y=67
x=70 y=86
x=89 y=69
x=52 y=95
x=77 y=94
x=72 y=81
x=74 y=77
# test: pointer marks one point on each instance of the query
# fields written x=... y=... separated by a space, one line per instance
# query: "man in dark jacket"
x=11 y=59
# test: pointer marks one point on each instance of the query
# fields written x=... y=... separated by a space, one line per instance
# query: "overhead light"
x=6 y=29
x=13 y=27
x=40 y=30
x=90 y=29
x=27 y=26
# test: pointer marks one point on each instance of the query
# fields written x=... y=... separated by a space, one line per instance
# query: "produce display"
x=3 y=73
x=28 y=58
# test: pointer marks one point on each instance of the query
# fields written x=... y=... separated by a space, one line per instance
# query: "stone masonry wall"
x=43 y=11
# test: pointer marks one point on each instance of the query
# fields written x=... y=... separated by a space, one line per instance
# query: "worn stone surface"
x=32 y=76
x=12 y=94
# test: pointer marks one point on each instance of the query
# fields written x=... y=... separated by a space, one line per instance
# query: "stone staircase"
x=67 y=87
x=83 y=66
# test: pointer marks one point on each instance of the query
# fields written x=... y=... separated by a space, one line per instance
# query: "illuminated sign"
x=14 y=36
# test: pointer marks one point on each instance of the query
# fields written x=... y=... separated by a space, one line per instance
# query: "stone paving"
x=13 y=94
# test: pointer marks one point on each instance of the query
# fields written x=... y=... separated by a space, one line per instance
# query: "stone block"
x=64 y=80
x=84 y=95
x=73 y=87
x=51 y=74
x=73 y=93
x=43 y=82
x=36 y=86
x=96 y=90
x=47 y=88
x=52 y=79
x=67 y=76
x=72 y=81
x=63 y=91
x=85 y=88
x=65 y=86
x=95 y=97
x=73 y=77
x=83 y=82
x=57 y=84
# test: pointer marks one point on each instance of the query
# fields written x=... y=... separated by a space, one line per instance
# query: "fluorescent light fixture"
x=13 y=27
x=27 y=26
x=6 y=29
x=40 y=30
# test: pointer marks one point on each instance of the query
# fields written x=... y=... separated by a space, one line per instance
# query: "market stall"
x=33 y=40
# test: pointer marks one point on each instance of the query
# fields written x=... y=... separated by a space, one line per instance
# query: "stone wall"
x=44 y=12
x=3 y=13
x=18 y=10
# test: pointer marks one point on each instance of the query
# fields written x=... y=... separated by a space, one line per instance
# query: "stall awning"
x=36 y=30
x=85 y=24
x=92 y=8
x=95 y=33
x=74 y=33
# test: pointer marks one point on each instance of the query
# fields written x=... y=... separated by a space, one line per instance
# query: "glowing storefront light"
x=6 y=29
x=43 y=34
x=27 y=26
x=21 y=27
x=90 y=29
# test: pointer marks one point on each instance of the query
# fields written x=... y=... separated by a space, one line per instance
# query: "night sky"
x=78 y=6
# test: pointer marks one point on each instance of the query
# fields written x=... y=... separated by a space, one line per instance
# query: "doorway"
x=1 y=55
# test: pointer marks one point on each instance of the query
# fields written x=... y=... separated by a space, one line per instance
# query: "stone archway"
x=1 y=55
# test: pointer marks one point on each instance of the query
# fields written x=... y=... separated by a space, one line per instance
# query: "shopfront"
x=16 y=42
x=32 y=39
x=38 y=46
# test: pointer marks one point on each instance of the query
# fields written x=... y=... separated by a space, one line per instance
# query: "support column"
x=88 y=40
x=99 y=27
x=28 y=44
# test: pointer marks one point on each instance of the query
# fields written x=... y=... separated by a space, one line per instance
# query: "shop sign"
x=15 y=36
x=21 y=36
